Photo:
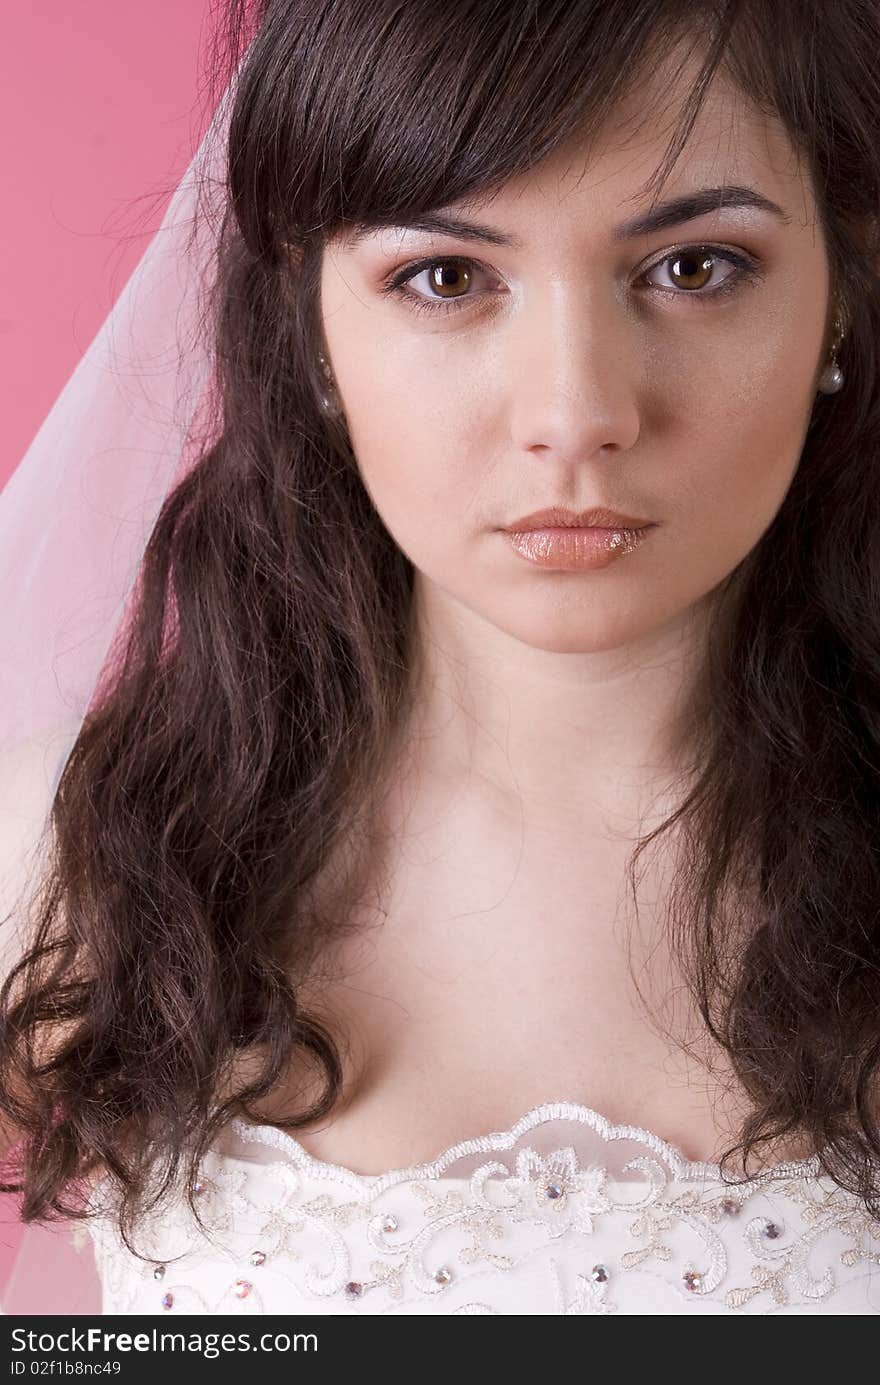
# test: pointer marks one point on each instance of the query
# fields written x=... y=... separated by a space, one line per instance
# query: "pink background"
x=100 y=112
x=101 y=109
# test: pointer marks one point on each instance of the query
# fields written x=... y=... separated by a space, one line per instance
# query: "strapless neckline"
x=679 y=1165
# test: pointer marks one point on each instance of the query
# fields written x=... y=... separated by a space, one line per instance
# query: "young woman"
x=478 y=847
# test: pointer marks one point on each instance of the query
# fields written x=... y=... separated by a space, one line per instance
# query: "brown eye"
x=451 y=280
x=688 y=273
x=692 y=268
x=449 y=274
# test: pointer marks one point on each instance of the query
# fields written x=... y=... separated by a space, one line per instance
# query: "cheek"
x=747 y=452
x=415 y=452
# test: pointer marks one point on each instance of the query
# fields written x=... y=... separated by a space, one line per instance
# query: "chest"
x=475 y=994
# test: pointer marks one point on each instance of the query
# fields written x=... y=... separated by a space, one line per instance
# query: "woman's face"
x=578 y=365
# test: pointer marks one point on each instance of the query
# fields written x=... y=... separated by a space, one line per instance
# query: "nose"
x=574 y=372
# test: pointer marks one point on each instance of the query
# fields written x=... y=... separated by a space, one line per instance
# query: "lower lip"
x=573 y=549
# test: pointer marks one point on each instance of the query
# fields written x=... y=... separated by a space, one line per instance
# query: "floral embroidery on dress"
x=780 y=1270
x=548 y=1228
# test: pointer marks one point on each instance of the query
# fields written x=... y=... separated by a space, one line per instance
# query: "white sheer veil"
x=75 y=518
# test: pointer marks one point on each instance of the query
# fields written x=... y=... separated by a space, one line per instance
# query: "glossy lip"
x=558 y=517
x=573 y=547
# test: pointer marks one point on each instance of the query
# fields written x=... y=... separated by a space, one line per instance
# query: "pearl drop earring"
x=831 y=379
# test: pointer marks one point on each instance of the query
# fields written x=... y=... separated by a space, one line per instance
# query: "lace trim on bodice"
x=678 y=1165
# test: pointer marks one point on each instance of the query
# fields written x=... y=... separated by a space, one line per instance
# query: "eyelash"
x=747 y=271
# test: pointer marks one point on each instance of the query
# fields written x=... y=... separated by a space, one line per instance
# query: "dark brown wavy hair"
x=268 y=665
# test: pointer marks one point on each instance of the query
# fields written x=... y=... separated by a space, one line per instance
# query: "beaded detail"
x=546 y=1217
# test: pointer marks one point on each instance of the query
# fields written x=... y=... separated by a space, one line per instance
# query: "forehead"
x=731 y=141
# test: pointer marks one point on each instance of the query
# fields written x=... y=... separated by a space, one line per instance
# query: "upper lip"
x=557 y=516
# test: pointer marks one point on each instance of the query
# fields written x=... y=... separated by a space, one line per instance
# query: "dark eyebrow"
x=699 y=203
x=685 y=208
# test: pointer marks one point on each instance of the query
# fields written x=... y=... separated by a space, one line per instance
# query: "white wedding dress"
x=562 y=1214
